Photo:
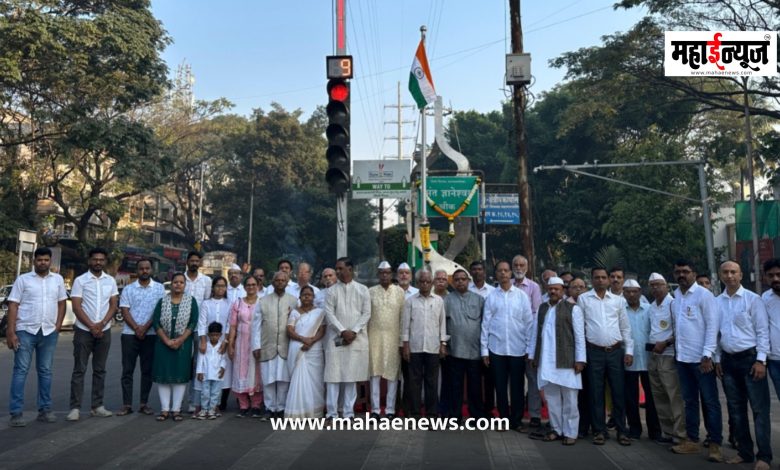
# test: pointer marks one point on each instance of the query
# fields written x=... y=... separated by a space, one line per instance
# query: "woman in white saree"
x=306 y=359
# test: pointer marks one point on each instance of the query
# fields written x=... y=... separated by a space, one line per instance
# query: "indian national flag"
x=420 y=79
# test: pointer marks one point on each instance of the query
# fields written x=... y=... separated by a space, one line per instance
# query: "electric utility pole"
x=519 y=104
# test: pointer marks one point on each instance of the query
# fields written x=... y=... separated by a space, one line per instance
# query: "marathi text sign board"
x=502 y=209
x=380 y=179
x=720 y=53
x=449 y=192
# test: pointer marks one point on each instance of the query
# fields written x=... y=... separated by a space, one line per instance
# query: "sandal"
x=162 y=416
x=551 y=436
x=568 y=441
x=126 y=410
x=178 y=417
x=599 y=440
x=146 y=409
x=624 y=441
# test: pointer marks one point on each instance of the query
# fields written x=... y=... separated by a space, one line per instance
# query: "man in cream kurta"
x=384 y=329
x=347 y=311
x=270 y=343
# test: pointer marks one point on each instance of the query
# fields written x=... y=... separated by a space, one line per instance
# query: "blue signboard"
x=502 y=209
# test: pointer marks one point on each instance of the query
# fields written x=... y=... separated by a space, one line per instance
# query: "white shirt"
x=744 y=323
x=321 y=297
x=696 y=324
x=410 y=291
x=141 y=302
x=210 y=362
x=484 y=291
x=37 y=297
x=661 y=325
x=199 y=289
x=606 y=322
x=235 y=293
x=424 y=323
x=507 y=323
x=294 y=289
x=95 y=293
x=772 y=305
x=214 y=310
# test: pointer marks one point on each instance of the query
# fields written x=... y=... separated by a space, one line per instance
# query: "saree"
x=306 y=395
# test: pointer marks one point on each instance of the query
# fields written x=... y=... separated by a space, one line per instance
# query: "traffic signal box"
x=338 y=174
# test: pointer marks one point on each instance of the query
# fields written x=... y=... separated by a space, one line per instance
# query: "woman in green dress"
x=175 y=318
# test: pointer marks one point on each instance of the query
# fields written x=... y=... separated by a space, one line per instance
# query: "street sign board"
x=502 y=209
x=449 y=192
x=385 y=179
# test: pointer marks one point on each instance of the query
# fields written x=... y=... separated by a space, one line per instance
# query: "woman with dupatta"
x=306 y=359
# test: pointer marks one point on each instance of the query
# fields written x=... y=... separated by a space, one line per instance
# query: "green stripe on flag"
x=417 y=94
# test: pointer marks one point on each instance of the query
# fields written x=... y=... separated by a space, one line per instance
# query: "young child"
x=210 y=370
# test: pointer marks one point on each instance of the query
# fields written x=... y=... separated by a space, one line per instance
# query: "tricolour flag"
x=420 y=79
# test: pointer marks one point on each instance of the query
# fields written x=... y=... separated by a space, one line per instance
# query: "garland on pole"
x=463 y=206
x=425 y=241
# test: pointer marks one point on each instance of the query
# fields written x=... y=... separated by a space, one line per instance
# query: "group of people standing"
x=293 y=350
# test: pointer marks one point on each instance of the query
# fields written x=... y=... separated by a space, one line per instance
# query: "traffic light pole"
x=340 y=30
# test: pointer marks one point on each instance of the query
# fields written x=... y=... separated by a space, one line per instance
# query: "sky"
x=255 y=52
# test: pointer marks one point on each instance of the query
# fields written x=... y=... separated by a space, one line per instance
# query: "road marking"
x=46 y=447
x=512 y=450
x=396 y=449
x=277 y=451
x=164 y=444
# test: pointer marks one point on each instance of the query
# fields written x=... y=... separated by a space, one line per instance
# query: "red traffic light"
x=338 y=90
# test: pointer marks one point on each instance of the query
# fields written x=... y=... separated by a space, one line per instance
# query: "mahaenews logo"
x=714 y=53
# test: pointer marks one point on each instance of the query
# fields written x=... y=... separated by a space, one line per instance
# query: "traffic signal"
x=337 y=133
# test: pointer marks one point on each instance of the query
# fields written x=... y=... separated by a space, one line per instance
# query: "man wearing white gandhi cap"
x=559 y=354
x=235 y=288
x=664 y=381
x=405 y=280
x=384 y=329
x=636 y=373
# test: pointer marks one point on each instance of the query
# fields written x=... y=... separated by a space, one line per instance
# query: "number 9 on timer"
x=339 y=66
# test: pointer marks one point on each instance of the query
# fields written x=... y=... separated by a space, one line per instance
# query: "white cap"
x=403 y=266
x=631 y=283
x=384 y=265
x=656 y=277
x=555 y=281
x=234 y=267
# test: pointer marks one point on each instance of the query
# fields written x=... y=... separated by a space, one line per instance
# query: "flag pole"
x=424 y=225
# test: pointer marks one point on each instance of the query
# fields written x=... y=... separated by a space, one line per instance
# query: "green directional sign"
x=385 y=179
x=449 y=192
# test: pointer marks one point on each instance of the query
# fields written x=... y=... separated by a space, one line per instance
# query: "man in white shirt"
x=661 y=366
x=424 y=338
x=95 y=298
x=327 y=279
x=304 y=279
x=235 y=288
x=36 y=307
x=137 y=304
x=610 y=348
x=507 y=331
x=534 y=293
x=696 y=322
x=198 y=285
x=744 y=345
x=771 y=300
x=404 y=274
x=478 y=276
x=547 y=274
